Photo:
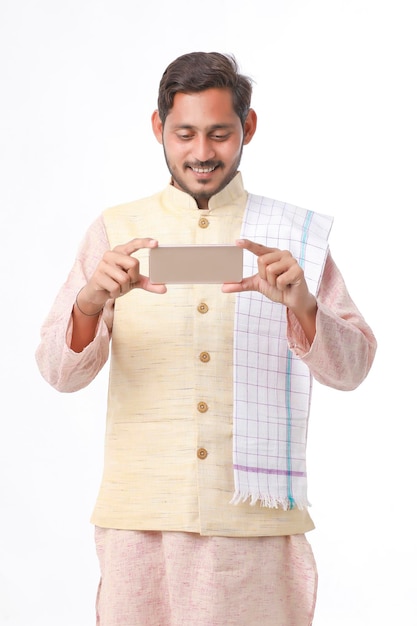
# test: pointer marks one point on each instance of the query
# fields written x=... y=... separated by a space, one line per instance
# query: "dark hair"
x=198 y=71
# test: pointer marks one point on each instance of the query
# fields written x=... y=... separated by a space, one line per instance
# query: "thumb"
x=247 y=284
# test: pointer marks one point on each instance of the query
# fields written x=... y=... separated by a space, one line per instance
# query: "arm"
x=343 y=350
x=328 y=333
x=75 y=337
x=61 y=367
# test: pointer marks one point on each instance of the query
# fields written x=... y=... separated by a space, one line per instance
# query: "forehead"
x=204 y=107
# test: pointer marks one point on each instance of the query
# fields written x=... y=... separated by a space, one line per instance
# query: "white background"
x=335 y=93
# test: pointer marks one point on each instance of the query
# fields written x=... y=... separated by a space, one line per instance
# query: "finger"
x=270 y=265
x=111 y=277
x=247 y=284
x=116 y=286
x=135 y=244
x=276 y=264
x=119 y=272
x=231 y=287
x=145 y=283
x=283 y=276
x=121 y=256
x=256 y=248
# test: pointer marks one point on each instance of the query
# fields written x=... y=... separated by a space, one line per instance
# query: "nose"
x=203 y=149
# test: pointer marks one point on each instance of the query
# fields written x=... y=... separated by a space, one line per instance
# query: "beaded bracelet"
x=83 y=312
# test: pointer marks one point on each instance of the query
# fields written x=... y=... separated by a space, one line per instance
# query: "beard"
x=202 y=193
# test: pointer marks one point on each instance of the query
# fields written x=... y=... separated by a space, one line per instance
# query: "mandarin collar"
x=177 y=199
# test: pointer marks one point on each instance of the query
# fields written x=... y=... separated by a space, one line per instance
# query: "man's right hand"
x=117 y=274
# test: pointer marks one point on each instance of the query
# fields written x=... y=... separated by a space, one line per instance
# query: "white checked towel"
x=272 y=387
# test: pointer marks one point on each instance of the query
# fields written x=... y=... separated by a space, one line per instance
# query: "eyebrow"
x=209 y=128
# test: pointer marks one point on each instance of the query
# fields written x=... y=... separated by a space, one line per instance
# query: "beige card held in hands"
x=196 y=264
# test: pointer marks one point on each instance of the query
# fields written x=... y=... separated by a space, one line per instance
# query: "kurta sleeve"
x=61 y=367
x=344 y=347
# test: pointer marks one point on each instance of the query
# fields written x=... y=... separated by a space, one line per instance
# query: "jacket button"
x=203 y=222
x=202 y=307
x=202 y=453
x=202 y=407
x=204 y=357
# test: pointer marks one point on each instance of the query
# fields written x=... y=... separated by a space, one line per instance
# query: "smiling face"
x=203 y=140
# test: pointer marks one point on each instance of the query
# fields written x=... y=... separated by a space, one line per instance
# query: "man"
x=203 y=508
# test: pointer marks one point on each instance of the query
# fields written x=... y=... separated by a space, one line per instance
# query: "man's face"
x=203 y=140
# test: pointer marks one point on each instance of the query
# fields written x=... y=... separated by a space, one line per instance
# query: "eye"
x=220 y=136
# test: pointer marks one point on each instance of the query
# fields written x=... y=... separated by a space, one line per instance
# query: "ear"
x=249 y=127
x=157 y=126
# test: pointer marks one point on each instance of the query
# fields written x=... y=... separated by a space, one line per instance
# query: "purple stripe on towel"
x=261 y=470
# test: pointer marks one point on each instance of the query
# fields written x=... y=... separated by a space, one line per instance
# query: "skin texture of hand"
x=117 y=274
x=281 y=279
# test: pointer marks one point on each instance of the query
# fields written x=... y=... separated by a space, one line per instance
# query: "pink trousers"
x=183 y=579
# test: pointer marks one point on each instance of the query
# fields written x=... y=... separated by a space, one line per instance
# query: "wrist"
x=87 y=308
x=306 y=317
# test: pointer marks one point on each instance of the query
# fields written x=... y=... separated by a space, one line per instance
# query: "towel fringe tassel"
x=269 y=501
